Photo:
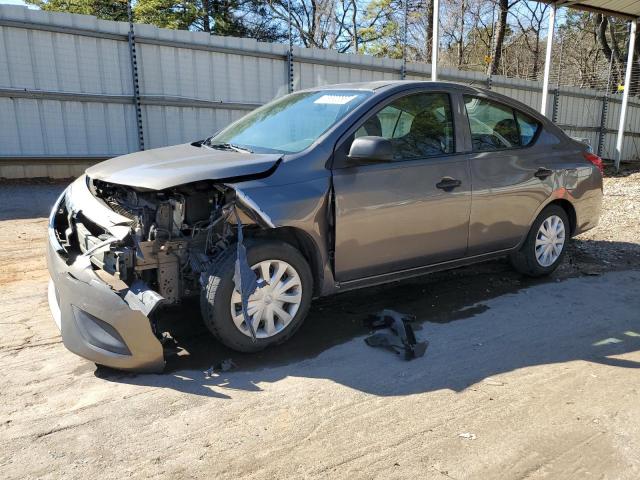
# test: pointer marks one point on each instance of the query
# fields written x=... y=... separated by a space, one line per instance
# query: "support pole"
x=435 y=41
x=547 y=60
x=625 y=95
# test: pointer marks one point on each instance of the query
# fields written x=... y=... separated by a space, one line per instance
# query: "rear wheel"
x=545 y=245
x=277 y=309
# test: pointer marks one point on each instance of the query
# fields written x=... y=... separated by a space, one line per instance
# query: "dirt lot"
x=539 y=377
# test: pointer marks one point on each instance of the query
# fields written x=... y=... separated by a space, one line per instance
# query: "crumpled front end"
x=117 y=253
x=100 y=318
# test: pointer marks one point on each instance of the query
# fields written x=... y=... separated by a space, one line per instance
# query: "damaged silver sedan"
x=318 y=192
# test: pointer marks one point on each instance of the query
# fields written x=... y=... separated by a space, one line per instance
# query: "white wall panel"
x=89 y=62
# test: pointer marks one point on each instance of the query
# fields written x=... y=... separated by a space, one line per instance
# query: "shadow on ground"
x=20 y=202
x=559 y=320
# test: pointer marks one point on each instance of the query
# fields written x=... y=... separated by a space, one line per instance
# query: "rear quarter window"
x=496 y=126
x=528 y=127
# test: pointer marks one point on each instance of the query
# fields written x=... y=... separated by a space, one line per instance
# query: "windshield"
x=289 y=124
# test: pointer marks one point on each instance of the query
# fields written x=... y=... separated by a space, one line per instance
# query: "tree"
x=500 y=31
x=167 y=13
x=104 y=9
x=382 y=36
x=530 y=20
x=238 y=18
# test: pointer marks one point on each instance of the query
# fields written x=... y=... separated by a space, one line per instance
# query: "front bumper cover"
x=107 y=326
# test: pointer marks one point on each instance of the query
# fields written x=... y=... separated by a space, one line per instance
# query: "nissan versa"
x=332 y=188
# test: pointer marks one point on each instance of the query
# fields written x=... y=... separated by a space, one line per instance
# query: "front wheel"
x=545 y=245
x=277 y=308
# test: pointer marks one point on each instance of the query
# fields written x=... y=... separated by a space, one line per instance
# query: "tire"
x=525 y=260
x=216 y=295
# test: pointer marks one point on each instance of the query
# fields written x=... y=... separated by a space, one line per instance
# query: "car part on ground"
x=400 y=326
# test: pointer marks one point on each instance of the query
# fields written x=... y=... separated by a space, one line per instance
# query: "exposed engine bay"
x=174 y=236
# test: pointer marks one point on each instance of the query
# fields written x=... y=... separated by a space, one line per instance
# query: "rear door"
x=413 y=211
x=512 y=176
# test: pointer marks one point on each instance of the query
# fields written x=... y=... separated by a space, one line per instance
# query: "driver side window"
x=418 y=126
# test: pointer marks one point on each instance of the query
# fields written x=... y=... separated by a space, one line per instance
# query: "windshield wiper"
x=228 y=146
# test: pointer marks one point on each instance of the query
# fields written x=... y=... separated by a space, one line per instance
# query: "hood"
x=167 y=167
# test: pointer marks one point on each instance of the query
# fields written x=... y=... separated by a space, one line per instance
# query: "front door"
x=413 y=211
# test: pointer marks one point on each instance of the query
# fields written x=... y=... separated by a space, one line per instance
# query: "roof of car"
x=399 y=85
x=379 y=84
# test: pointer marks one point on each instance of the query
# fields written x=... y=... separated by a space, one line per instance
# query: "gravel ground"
x=522 y=379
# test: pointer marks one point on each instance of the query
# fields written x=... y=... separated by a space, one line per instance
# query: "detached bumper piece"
x=108 y=326
x=402 y=340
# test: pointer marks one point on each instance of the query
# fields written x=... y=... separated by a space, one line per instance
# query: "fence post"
x=556 y=102
x=604 y=111
x=290 y=52
x=403 y=69
x=134 y=77
x=556 y=92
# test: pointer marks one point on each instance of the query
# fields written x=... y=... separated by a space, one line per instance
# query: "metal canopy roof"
x=629 y=9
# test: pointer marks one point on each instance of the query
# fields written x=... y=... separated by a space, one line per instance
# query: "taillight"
x=595 y=159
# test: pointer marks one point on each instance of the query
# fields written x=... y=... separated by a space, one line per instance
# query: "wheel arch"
x=303 y=242
x=563 y=203
x=569 y=209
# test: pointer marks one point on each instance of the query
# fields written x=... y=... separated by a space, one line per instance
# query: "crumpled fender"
x=304 y=206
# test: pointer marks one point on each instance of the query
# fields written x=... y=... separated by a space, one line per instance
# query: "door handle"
x=543 y=173
x=448 y=183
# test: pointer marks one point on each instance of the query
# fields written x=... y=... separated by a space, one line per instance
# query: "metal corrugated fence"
x=67 y=96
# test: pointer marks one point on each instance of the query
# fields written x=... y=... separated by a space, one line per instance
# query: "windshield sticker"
x=335 y=99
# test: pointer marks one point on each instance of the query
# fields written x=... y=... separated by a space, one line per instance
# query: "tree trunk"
x=206 y=24
x=501 y=29
x=536 y=54
x=354 y=21
x=429 y=39
x=461 y=43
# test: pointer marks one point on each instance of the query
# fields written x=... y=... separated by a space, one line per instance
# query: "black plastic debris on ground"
x=224 y=366
x=401 y=340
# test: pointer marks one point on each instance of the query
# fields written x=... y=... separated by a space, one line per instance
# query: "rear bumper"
x=107 y=326
x=588 y=202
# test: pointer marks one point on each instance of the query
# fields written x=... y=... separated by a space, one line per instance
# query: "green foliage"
x=167 y=13
x=104 y=9
x=239 y=18
x=383 y=34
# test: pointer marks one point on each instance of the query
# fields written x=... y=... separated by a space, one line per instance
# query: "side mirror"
x=365 y=150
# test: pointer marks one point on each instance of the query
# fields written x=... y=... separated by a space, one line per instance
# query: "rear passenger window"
x=528 y=128
x=493 y=126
